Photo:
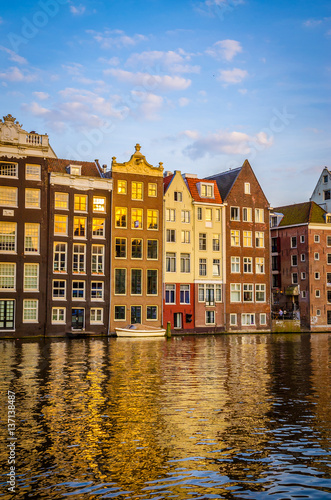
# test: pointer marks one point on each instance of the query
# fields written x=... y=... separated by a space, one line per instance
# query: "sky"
x=201 y=85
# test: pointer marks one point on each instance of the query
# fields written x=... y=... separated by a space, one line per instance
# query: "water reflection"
x=240 y=416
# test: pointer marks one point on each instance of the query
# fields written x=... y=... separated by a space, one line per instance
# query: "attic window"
x=247 y=188
x=327 y=194
x=325 y=179
x=328 y=219
x=74 y=169
x=207 y=190
x=274 y=221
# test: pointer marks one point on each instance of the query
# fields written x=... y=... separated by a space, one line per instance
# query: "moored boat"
x=139 y=330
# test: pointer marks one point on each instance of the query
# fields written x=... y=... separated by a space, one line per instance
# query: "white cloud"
x=312 y=23
x=150 y=82
x=242 y=91
x=42 y=96
x=225 y=142
x=115 y=38
x=113 y=61
x=14 y=74
x=74 y=69
x=183 y=101
x=150 y=104
x=191 y=134
x=77 y=10
x=174 y=62
x=35 y=109
x=13 y=56
x=225 y=49
x=234 y=75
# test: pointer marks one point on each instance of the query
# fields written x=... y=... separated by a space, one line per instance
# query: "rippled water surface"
x=234 y=417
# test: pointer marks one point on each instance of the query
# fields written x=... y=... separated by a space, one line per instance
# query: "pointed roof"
x=301 y=213
x=192 y=184
x=225 y=181
x=166 y=182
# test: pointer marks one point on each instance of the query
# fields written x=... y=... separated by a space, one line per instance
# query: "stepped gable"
x=301 y=213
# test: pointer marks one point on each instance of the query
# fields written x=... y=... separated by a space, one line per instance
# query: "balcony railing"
x=34 y=139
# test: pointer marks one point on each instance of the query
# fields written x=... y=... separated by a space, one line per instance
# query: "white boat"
x=138 y=330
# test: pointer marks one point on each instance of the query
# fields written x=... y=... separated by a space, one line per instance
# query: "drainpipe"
x=224 y=260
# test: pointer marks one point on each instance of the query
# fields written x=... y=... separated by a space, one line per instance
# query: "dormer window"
x=328 y=218
x=207 y=190
x=325 y=179
x=274 y=221
x=74 y=169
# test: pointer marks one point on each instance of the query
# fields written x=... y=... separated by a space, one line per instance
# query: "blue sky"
x=201 y=85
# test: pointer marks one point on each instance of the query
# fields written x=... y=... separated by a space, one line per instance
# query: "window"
x=302 y=238
x=210 y=317
x=233 y=319
x=259 y=265
x=207 y=190
x=152 y=219
x=294 y=260
x=74 y=169
x=317 y=276
x=235 y=264
x=328 y=257
x=135 y=314
x=325 y=179
x=209 y=214
x=7 y=310
x=137 y=190
x=274 y=220
x=259 y=239
x=78 y=290
x=247 y=188
x=7 y=276
x=151 y=282
x=303 y=257
x=119 y=312
x=234 y=213
x=294 y=278
x=152 y=190
x=97 y=288
x=316 y=238
x=184 y=294
x=80 y=227
x=178 y=196
x=98 y=228
x=152 y=246
x=247 y=238
x=202 y=241
x=210 y=295
x=328 y=295
x=120 y=248
x=303 y=294
x=199 y=213
x=318 y=312
x=151 y=312
x=170 y=215
x=217 y=214
x=218 y=293
x=327 y=195
x=59 y=289
x=248 y=264
x=170 y=262
x=136 y=281
x=32 y=198
x=202 y=267
x=121 y=214
x=328 y=241
x=58 y=315
x=201 y=293
x=31 y=278
x=235 y=292
x=60 y=257
x=120 y=281
x=80 y=203
x=121 y=187
x=247 y=215
x=185 y=263
x=137 y=248
x=216 y=267
x=248 y=290
x=293 y=242
x=31 y=238
x=247 y=319
x=8 y=169
x=317 y=293
x=32 y=172
x=61 y=201
x=30 y=311
x=185 y=236
x=260 y=293
x=78 y=258
x=235 y=238
x=216 y=242
x=186 y=216
x=316 y=256
x=99 y=204
x=8 y=196
x=98 y=259
x=8 y=236
x=274 y=263
x=303 y=276
x=61 y=225
x=259 y=215
x=328 y=279
x=136 y=218
x=170 y=294
x=263 y=319
x=96 y=316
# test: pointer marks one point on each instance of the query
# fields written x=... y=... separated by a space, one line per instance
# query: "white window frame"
x=260 y=288
x=37 y=226
x=63 y=233
x=10 y=276
x=9 y=233
x=235 y=265
x=36 y=309
x=98 y=260
x=13 y=167
x=78 y=288
x=95 y=298
x=246 y=319
x=259 y=215
x=64 y=201
x=8 y=196
x=60 y=288
x=96 y=310
x=58 y=321
x=233 y=319
x=30 y=265
x=32 y=172
x=34 y=204
x=235 y=288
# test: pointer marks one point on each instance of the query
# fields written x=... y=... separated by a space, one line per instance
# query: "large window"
x=96 y=316
x=186 y=216
x=59 y=289
x=151 y=312
x=170 y=215
x=152 y=219
x=136 y=281
x=247 y=214
x=137 y=248
x=184 y=294
x=135 y=314
x=136 y=218
x=185 y=263
x=97 y=290
x=7 y=276
x=152 y=246
x=151 y=282
x=8 y=169
x=210 y=317
x=60 y=257
x=207 y=190
x=259 y=239
x=152 y=190
x=98 y=252
x=171 y=235
x=235 y=292
x=248 y=291
x=8 y=196
x=33 y=172
x=247 y=238
x=216 y=242
x=235 y=264
x=80 y=203
x=235 y=238
x=78 y=290
x=202 y=241
x=7 y=314
x=99 y=204
x=31 y=278
x=170 y=294
x=8 y=236
x=247 y=319
x=61 y=225
x=58 y=315
x=121 y=187
x=260 y=293
x=170 y=262
x=120 y=248
x=185 y=236
x=30 y=311
x=208 y=214
x=98 y=228
x=32 y=198
x=259 y=265
x=80 y=227
x=216 y=267
x=137 y=190
x=121 y=214
x=235 y=213
x=31 y=238
x=248 y=264
x=120 y=281
x=61 y=201
x=79 y=258
x=259 y=215
x=202 y=267
x=119 y=313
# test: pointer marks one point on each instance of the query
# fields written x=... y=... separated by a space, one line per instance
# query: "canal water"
x=201 y=417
